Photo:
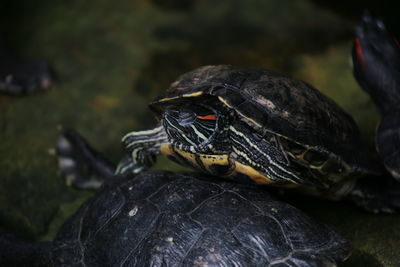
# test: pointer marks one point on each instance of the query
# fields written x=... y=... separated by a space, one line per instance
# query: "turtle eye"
x=190 y=125
x=186 y=118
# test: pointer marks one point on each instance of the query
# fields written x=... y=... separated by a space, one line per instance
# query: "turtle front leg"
x=142 y=148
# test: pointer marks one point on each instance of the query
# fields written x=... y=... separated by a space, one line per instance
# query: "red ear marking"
x=359 y=52
x=207 y=117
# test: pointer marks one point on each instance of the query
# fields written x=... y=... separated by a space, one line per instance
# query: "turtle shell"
x=275 y=103
x=376 y=61
x=166 y=219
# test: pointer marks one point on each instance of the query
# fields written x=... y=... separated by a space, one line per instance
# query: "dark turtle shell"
x=166 y=219
x=376 y=61
x=272 y=102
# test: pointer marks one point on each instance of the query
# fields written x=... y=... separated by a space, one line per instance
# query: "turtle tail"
x=80 y=164
x=18 y=252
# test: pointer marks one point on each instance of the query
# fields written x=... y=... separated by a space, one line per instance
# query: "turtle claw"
x=380 y=195
x=142 y=148
x=79 y=163
x=388 y=141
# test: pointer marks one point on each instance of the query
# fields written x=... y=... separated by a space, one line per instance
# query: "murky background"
x=113 y=57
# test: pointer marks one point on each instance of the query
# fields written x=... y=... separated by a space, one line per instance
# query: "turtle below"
x=167 y=219
x=376 y=58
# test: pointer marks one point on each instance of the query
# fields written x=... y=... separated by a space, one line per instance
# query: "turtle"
x=249 y=126
x=263 y=127
x=18 y=78
x=376 y=61
x=252 y=125
x=160 y=218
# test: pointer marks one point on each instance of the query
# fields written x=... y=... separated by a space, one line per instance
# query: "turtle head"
x=196 y=127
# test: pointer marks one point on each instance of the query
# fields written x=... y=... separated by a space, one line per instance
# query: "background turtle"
x=376 y=58
x=22 y=78
x=167 y=219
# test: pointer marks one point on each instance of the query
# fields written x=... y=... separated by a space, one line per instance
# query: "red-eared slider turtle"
x=376 y=57
x=252 y=125
x=166 y=219
x=248 y=125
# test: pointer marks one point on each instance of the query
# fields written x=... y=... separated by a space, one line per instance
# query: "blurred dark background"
x=111 y=58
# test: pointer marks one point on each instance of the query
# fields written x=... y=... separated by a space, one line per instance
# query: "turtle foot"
x=79 y=163
x=388 y=142
x=142 y=148
x=377 y=194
